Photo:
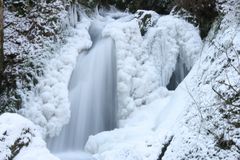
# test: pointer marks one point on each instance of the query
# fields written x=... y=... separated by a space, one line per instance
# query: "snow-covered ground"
x=20 y=134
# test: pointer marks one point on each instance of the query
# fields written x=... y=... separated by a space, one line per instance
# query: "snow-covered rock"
x=20 y=139
x=146 y=19
x=30 y=30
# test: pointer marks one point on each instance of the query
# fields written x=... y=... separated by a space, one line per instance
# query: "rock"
x=146 y=19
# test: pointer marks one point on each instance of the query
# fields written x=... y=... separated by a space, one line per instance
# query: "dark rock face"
x=146 y=19
x=90 y=4
x=39 y=23
x=159 y=6
x=205 y=12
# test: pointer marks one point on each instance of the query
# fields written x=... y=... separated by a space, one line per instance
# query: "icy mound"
x=20 y=140
x=172 y=39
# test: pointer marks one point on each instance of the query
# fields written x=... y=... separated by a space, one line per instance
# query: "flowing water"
x=92 y=93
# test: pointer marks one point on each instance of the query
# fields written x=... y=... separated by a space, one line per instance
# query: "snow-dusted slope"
x=208 y=128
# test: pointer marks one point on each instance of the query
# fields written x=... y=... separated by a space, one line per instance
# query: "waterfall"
x=92 y=93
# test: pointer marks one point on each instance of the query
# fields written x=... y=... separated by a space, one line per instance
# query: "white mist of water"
x=92 y=92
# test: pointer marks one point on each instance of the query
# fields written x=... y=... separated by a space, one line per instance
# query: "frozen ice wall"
x=175 y=45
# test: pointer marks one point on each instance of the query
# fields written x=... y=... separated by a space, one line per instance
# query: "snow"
x=198 y=130
x=14 y=127
x=144 y=132
x=146 y=19
x=75 y=156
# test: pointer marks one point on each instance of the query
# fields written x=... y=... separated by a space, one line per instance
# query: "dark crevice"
x=164 y=149
x=178 y=75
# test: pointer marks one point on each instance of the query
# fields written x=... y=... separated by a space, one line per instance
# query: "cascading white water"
x=92 y=92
